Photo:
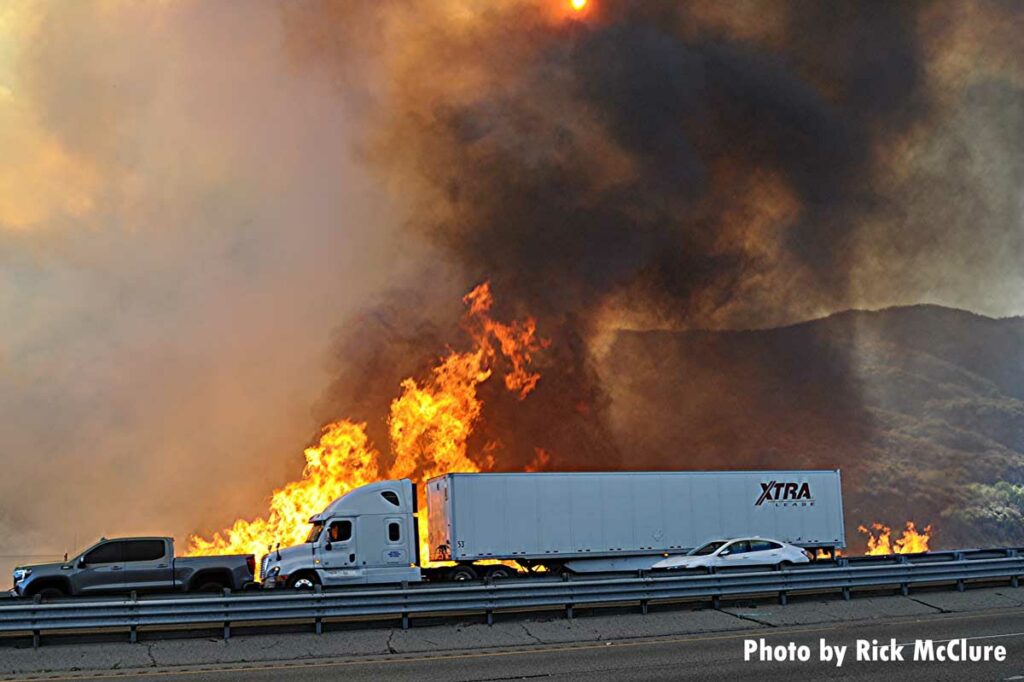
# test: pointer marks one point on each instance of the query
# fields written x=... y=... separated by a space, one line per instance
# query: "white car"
x=738 y=553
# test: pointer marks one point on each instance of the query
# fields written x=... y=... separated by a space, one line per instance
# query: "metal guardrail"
x=488 y=597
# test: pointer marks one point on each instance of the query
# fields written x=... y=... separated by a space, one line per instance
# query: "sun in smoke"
x=578 y=5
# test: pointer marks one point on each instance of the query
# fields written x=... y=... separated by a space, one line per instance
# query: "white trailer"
x=580 y=522
x=618 y=520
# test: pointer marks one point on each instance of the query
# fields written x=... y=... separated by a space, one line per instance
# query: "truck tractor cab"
x=369 y=535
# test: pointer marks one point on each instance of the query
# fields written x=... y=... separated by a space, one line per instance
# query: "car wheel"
x=303 y=581
x=48 y=593
x=783 y=564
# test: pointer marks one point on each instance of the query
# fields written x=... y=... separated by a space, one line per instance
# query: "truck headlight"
x=21 y=573
x=274 y=572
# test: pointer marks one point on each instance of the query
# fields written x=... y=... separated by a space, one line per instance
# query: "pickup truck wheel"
x=211 y=586
x=48 y=593
x=462 y=573
x=303 y=581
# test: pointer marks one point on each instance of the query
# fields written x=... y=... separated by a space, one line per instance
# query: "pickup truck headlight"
x=21 y=573
x=274 y=572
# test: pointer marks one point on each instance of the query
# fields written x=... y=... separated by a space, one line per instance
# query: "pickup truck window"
x=144 y=550
x=340 y=531
x=107 y=553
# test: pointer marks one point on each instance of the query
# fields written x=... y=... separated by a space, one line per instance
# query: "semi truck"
x=143 y=565
x=483 y=525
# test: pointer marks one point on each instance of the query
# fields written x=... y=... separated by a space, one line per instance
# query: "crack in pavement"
x=931 y=606
x=529 y=634
x=391 y=649
x=747 y=618
x=152 y=659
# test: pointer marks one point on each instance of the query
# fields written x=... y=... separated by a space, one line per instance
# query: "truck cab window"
x=394 y=531
x=391 y=496
x=107 y=553
x=340 y=531
x=314 y=532
x=144 y=550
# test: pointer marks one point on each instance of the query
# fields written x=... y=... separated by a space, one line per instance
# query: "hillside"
x=921 y=407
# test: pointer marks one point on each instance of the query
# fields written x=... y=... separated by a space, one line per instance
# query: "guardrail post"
x=568 y=607
x=960 y=584
x=227 y=610
x=1014 y=580
x=716 y=600
x=405 y=597
x=133 y=630
x=35 y=633
x=904 y=587
x=643 y=606
x=318 y=621
x=782 y=598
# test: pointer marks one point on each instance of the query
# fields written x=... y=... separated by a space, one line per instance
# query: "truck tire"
x=462 y=573
x=304 y=580
x=50 y=593
x=501 y=573
x=211 y=586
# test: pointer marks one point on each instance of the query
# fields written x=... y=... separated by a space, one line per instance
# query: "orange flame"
x=429 y=426
x=541 y=460
x=909 y=542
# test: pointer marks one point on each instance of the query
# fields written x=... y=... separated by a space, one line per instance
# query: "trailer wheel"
x=462 y=573
x=501 y=573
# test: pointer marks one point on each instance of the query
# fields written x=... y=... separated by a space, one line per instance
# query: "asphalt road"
x=710 y=656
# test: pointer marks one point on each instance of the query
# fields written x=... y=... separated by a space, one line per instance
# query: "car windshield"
x=707 y=549
x=314 y=532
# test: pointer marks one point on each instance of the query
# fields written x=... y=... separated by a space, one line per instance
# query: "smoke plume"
x=223 y=225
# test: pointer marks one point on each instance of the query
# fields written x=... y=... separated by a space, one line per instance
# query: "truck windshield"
x=707 y=549
x=314 y=532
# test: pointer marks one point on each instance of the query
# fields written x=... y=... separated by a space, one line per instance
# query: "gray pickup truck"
x=124 y=565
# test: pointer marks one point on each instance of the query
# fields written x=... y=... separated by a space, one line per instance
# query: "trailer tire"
x=304 y=580
x=462 y=574
x=501 y=573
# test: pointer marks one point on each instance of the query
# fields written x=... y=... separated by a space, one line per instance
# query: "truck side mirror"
x=81 y=562
x=328 y=546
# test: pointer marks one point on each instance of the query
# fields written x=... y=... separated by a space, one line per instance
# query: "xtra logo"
x=783 y=492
